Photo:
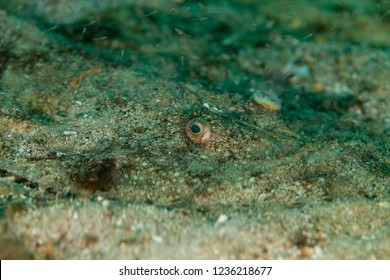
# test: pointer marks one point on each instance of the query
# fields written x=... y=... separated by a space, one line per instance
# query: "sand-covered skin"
x=101 y=157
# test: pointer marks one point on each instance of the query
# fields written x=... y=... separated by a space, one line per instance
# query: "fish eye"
x=196 y=128
x=197 y=131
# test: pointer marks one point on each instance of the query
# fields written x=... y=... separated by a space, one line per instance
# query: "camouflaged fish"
x=179 y=130
x=70 y=122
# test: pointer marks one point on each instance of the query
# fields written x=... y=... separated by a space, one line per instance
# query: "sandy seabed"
x=178 y=130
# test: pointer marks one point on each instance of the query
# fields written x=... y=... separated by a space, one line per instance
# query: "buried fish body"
x=68 y=127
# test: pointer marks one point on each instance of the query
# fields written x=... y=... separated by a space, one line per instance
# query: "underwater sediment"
x=194 y=130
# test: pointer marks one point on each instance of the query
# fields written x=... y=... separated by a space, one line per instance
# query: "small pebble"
x=69 y=133
x=267 y=100
x=158 y=239
x=221 y=220
x=75 y=216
